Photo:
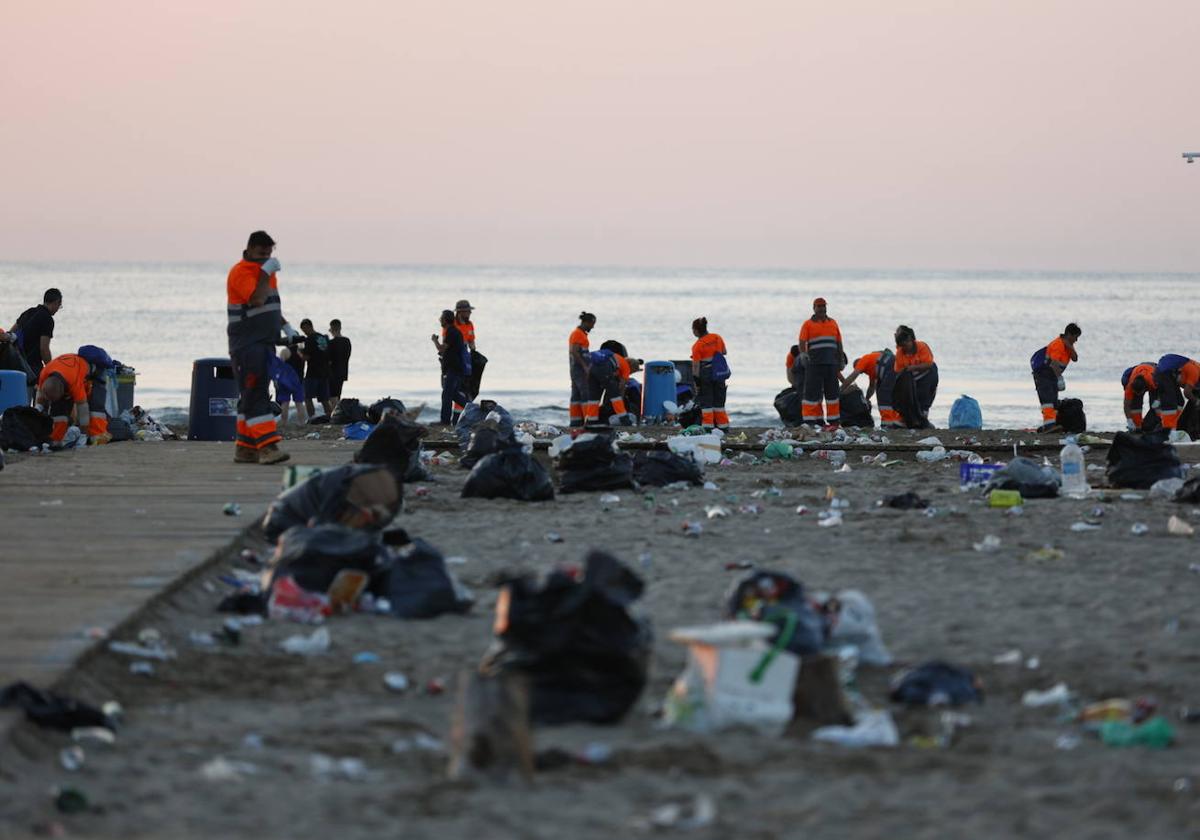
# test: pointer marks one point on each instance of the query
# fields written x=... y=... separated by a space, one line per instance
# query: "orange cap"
x=819 y=302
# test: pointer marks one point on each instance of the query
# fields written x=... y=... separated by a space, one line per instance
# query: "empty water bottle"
x=1074 y=480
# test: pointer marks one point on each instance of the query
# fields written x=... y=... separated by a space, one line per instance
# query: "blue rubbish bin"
x=13 y=390
x=212 y=412
x=658 y=387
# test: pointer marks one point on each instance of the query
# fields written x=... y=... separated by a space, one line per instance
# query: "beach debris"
x=1131 y=497
x=252 y=741
x=904 y=501
x=366 y=657
x=435 y=687
x=554 y=537
x=931 y=440
x=328 y=767
x=989 y=544
x=835 y=457
x=1004 y=498
x=311 y=645
x=221 y=769
x=855 y=628
x=232 y=509
x=72 y=758
x=1079 y=527
x=874 y=728
x=1046 y=553
x=709 y=485
x=1179 y=528
x=936 y=683
x=93 y=735
x=829 y=518
x=929 y=456
x=752 y=510
x=144 y=651
x=421 y=491
x=880 y=459
x=1139 y=529
x=1067 y=741
x=699 y=812
x=608 y=500
x=71 y=800
x=1056 y=695
x=778 y=450
x=738 y=564
x=844 y=468
x=1155 y=733
x=1165 y=488
x=419 y=742
x=396 y=681
x=1009 y=657
x=716 y=512
x=142 y=668
x=692 y=528
x=1019 y=510
x=801 y=510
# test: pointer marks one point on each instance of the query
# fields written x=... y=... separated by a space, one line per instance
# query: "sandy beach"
x=1111 y=618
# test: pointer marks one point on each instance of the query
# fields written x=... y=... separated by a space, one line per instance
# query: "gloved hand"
x=271 y=266
x=290 y=331
x=1062 y=384
x=803 y=359
x=1130 y=425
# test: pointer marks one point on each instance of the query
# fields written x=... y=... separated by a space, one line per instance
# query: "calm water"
x=982 y=326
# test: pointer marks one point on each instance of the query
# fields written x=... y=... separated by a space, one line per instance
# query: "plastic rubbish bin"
x=13 y=390
x=212 y=412
x=126 y=381
x=658 y=387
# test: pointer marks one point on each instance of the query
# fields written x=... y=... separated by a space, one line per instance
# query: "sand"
x=1113 y=617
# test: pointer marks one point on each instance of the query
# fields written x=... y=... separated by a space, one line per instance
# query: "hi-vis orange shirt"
x=1058 y=351
x=467 y=330
x=622 y=366
x=578 y=338
x=823 y=339
x=706 y=346
x=922 y=356
x=74 y=371
x=1189 y=373
x=868 y=364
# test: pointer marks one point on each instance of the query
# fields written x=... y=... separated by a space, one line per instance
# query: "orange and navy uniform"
x=73 y=370
x=1174 y=371
x=867 y=365
x=790 y=362
x=579 y=401
x=1139 y=381
x=608 y=374
x=1058 y=351
x=252 y=334
x=822 y=341
x=921 y=355
x=712 y=393
x=1045 y=377
x=467 y=330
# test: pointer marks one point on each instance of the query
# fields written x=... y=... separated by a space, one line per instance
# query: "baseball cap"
x=463 y=304
x=819 y=302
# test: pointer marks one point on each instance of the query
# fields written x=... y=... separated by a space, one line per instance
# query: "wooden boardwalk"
x=87 y=537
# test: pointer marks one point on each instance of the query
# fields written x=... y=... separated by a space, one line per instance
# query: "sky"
x=1016 y=134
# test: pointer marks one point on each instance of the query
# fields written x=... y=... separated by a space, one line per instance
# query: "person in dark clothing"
x=339 y=360
x=315 y=349
x=35 y=328
x=456 y=367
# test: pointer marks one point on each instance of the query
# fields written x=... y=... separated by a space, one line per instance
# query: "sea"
x=982 y=326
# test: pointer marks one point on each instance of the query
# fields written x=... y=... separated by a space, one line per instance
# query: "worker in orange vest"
x=1138 y=381
x=255 y=321
x=1048 y=366
x=711 y=373
x=608 y=372
x=577 y=367
x=881 y=381
x=916 y=359
x=822 y=356
x=1175 y=373
x=65 y=386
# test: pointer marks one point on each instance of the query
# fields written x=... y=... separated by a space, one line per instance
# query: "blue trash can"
x=658 y=387
x=13 y=390
x=212 y=412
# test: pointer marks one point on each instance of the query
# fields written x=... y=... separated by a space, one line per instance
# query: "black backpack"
x=1071 y=416
x=24 y=428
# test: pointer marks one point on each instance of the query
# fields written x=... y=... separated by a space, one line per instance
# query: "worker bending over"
x=68 y=385
x=608 y=373
x=1048 y=366
x=1138 y=381
x=1176 y=374
x=879 y=368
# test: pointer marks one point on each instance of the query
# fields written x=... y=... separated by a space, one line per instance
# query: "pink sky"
x=885 y=133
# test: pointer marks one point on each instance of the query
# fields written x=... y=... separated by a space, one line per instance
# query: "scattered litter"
x=701 y=812
x=801 y=510
x=1156 y=733
x=302 y=645
x=1179 y=528
x=778 y=450
x=936 y=684
x=554 y=537
x=929 y=456
x=232 y=509
x=1004 y=498
x=752 y=510
x=830 y=519
x=708 y=485
x=844 y=468
x=435 y=686
x=874 y=728
x=1084 y=526
x=71 y=801
x=929 y=441
x=252 y=741
x=93 y=735
x=836 y=457
x=1055 y=696
x=72 y=758
x=221 y=769
x=1067 y=741
x=396 y=681
x=1139 y=529
x=716 y=512
x=990 y=543
x=692 y=529
x=143 y=651
x=51 y=503
x=1132 y=497
x=419 y=742
x=1165 y=488
x=609 y=499
x=1046 y=553
x=141 y=668
x=366 y=657
x=327 y=766
x=904 y=501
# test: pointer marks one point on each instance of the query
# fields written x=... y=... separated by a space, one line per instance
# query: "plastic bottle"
x=1074 y=481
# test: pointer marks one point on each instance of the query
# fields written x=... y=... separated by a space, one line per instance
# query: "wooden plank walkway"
x=87 y=537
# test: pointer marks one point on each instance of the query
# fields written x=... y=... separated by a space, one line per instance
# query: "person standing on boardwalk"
x=255 y=321
x=822 y=357
x=1048 y=365
x=456 y=368
x=339 y=360
x=711 y=372
x=577 y=367
x=34 y=329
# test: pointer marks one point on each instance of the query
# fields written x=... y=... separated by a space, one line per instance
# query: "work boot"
x=1046 y=428
x=272 y=454
x=245 y=455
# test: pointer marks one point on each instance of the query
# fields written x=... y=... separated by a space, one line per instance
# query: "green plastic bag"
x=777 y=449
x=1156 y=733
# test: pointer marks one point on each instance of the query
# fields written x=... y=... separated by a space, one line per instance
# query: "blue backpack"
x=97 y=356
x=966 y=414
x=1038 y=360
x=720 y=368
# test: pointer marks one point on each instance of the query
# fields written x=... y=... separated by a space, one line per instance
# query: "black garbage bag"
x=119 y=429
x=417 y=583
x=396 y=443
x=585 y=654
x=936 y=684
x=779 y=599
x=511 y=473
x=11 y=358
x=365 y=496
x=1027 y=476
x=905 y=501
x=53 y=711
x=1071 y=416
x=377 y=409
x=854 y=409
x=23 y=427
x=1189 y=493
x=787 y=403
x=1140 y=460
x=615 y=475
x=658 y=468
x=348 y=410
x=478 y=363
x=907 y=404
x=486 y=438
x=474 y=413
x=589 y=450
x=314 y=557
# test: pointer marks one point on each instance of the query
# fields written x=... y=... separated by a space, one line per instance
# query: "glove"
x=1130 y=425
x=271 y=266
x=803 y=359
x=1062 y=384
x=290 y=331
